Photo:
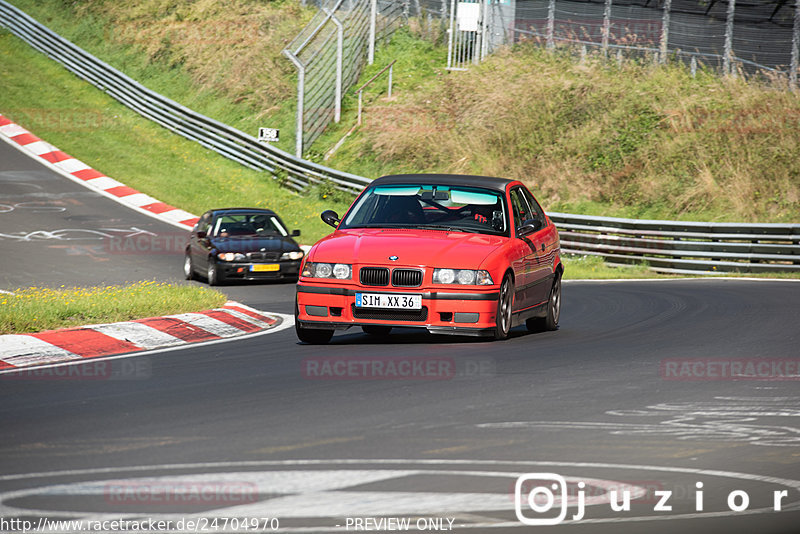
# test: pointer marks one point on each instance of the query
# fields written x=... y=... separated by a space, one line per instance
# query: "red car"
x=453 y=254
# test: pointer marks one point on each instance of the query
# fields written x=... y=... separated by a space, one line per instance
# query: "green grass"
x=36 y=309
x=118 y=142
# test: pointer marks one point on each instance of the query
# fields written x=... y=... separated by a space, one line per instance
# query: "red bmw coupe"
x=453 y=254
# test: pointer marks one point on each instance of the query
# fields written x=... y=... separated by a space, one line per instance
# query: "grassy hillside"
x=632 y=140
x=221 y=58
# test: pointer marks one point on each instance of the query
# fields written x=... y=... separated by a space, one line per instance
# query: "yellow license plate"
x=265 y=268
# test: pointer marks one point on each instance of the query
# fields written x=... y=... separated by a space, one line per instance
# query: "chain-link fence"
x=329 y=54
x=759 y=35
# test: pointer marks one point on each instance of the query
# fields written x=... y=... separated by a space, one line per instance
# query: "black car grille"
x=263 y=256
x=406 y=277
x=374 y=276
x=390 y=315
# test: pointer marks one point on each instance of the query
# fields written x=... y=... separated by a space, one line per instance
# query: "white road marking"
x=361 y=502
x=139 y=334
x=72 y=165
x=209 y=324
x=40 y=147
x=139 y=200
x=23 y=351
x=13 y=130
x=103 y=183
x=286 y=321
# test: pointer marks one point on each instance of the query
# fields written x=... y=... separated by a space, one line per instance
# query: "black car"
x=241 y=244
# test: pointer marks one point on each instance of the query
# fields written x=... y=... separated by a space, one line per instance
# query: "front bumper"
x=456 y=311
x=245 y=270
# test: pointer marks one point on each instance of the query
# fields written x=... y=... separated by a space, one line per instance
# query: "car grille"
x=374 y=276
x=263 y=256
x=390 y=315
x=406 y=277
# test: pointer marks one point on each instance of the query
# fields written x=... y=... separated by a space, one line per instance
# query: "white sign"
x=468 y=14
x=268 y=135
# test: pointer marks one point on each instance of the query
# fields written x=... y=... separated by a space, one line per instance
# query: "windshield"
x=248 y=225
x=436 y=207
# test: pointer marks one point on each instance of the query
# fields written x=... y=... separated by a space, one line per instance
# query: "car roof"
x=241 y=210
x=489 y=182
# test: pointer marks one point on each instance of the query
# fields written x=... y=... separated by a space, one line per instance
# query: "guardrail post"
x=373 y=18
x=665 y=31
x=795 y=47
x=727 y=59
x=301 y=76
x=551 y=24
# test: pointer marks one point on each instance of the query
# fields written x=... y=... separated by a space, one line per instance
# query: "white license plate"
x=377 y=300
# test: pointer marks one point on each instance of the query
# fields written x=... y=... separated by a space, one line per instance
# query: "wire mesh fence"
x=756 y=37
x=753 y=37
x=329 y=54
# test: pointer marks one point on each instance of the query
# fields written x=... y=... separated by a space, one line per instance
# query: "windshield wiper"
x=442 y=227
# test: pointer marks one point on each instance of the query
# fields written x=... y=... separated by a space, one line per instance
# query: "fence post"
x=727 y=60
x=551 y=24
x=795 y=46
x=451 y=34
x=373 y=17
x=606 y=26
x=301 y=76
x=337 y=105
x=664 y=48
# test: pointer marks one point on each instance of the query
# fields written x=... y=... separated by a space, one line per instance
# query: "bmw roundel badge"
x=393 y=258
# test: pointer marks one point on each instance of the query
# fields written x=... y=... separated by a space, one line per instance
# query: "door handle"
x=542 y=247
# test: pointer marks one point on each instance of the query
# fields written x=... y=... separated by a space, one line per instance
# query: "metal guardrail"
x=221 y=138
x=670 y=246
x=666 y=245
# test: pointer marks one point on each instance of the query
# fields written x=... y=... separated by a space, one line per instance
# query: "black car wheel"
x=312 y=336
x=504 y=308
x=188 y=267
x=376 y=330
x=214 y=276
x=549 y=321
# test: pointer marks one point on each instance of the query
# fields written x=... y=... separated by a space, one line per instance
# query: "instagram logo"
x=539 y=493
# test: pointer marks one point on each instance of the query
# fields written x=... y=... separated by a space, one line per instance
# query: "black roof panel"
x=489 y=182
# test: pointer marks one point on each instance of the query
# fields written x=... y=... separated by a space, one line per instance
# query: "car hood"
x=254 y=244
x=411 y=246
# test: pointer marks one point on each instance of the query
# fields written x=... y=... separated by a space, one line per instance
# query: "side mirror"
x=295 y=233
x=201 y=234
x=331 y=218
x=530 y=226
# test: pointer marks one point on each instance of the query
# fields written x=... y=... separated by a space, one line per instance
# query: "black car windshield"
x=247 y=225
x=435 y=207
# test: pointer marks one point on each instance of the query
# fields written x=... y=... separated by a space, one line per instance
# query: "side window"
x=204 y=223
x=519 y=208
x=536 y=209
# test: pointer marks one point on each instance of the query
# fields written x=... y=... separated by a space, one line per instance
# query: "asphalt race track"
x=320 y=437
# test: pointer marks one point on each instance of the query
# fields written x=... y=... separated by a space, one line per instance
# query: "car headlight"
x=231 y=256
x=340 y=271
x=293 y=255
x=465 y=277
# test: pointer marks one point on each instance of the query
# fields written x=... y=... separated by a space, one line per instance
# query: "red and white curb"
x=58 y=346
x=78 y=171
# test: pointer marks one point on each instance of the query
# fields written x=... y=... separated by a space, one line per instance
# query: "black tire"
x=504 y=308
x=549 y=321
x=312 y=336
x=213 y=274
x=188 y=267
x=376 y=330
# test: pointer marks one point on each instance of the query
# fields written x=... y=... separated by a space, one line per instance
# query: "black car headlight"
x=231 y=256
x=339 y=271
x=465 y=277
x=293 y=255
